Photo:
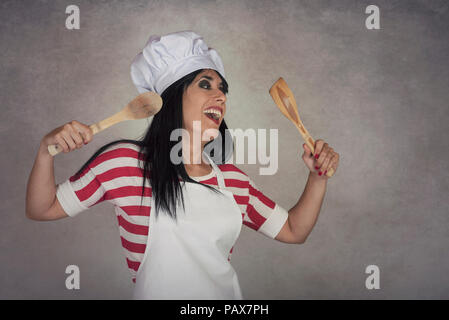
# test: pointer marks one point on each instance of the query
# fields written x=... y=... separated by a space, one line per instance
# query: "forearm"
x=303 y=216
x=41 y=188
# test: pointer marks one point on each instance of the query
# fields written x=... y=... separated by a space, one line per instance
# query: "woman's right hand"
x=70 y=136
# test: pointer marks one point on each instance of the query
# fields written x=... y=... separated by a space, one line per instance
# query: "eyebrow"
x=209 y=78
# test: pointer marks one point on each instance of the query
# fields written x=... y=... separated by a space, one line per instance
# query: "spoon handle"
x=106 y=123
x=54 y=149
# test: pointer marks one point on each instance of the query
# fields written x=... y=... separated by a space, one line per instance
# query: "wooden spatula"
x=143 y=106
x=284 y=99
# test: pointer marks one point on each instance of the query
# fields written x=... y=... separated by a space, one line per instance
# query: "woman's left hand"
x=324 y=158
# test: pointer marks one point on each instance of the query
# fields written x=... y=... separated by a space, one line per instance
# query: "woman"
x=178 y=232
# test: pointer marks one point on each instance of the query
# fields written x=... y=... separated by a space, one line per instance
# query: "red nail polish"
x=325 y=172
x=316 y=156
x=320 y=173
x=317 y=168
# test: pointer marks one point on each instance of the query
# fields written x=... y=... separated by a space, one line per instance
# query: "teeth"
x=214 y=113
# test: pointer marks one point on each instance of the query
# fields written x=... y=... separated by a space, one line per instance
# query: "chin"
x=210 y=133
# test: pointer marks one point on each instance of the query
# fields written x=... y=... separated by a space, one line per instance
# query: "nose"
x=219 y=96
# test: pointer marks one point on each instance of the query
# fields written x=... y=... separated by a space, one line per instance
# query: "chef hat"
x=166 y=59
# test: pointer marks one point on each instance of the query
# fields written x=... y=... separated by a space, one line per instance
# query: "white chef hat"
x=166 y=59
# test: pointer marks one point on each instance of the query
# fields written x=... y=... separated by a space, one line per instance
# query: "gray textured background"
x=378 y=97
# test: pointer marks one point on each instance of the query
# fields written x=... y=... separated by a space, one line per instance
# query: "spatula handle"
x=284 y=99
x=310 y=143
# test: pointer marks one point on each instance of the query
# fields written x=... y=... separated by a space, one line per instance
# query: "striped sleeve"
x=80 y=192
x=264 y=215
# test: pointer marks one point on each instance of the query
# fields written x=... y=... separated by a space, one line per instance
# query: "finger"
x=77 y=138
x=89 y=133
x=320 y=162
x=61 y=142
x=321 y=155
x=75 y=135
x=335 y=161
x=83 y=132
x=307 y=150
x=86 y=131
x=72 y=137
x=326 y=164
x=66 y=135
x=319 y=145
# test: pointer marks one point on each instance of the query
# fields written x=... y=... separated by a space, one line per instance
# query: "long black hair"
x=155 y=146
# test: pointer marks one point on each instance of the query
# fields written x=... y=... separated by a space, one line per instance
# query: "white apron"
x=189 y=259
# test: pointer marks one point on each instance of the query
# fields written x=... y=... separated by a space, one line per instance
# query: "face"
x=204 y=100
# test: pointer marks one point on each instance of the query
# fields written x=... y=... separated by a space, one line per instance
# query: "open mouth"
x=213 y=114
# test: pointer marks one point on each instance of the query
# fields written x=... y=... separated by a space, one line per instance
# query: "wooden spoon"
x=284 y=99
x=143 y=106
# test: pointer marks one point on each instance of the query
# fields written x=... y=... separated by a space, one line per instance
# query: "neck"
x=192 y=152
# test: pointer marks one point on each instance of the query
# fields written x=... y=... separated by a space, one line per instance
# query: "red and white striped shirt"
x=115 y=176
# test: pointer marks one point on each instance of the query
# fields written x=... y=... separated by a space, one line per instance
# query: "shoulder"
x=234 y=176
x=122 y=154
x=228 y=168
x=122 y=149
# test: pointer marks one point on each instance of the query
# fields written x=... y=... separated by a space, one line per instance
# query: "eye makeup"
x=206 y=85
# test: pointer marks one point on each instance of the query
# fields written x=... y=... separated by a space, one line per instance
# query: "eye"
x=205 y=83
